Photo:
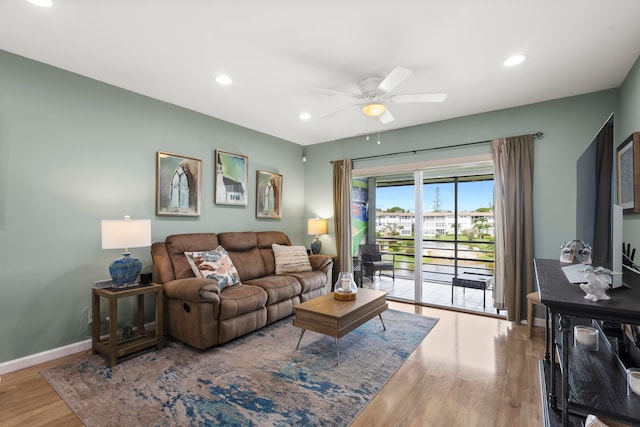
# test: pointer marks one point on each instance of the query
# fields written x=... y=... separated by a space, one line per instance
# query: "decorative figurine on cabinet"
x=598 y=283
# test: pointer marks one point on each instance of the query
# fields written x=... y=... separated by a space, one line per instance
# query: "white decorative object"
x=593 y=421
x=598 y=282
x=345 y=288
x=567 y=252
x=633 y=381
x=586 y=336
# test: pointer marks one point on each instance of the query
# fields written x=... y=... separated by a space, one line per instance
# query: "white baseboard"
x=45 y=356
x=53 y=354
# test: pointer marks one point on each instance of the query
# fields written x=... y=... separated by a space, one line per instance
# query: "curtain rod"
x=537 y=135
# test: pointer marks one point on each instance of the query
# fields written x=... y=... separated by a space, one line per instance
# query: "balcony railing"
x=442 y=259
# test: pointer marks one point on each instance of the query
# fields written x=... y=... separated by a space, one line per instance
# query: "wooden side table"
x=112 y=347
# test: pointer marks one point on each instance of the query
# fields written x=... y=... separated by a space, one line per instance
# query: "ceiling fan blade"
x=418 y=97
x=386 y=117
x=342 y=110
x=336 y=92
x=395 y=77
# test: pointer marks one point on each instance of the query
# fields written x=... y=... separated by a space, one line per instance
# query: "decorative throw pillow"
x=215 y=264
x=291 y=259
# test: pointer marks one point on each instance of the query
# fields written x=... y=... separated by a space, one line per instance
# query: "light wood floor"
x=470 y=371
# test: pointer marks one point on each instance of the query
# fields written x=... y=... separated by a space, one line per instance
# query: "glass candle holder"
x=586 y=337
x=633 y=381
x=345 y=287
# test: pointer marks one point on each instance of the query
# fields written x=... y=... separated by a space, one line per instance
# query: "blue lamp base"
x=316 y=246
x=125 y=270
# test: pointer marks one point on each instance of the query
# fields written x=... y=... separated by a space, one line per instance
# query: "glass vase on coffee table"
x=345 y=288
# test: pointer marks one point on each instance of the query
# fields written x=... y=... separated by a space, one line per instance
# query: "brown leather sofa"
x=201 y=315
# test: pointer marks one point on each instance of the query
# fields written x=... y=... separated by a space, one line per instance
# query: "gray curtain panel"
x=342 y=213
x=513 y=207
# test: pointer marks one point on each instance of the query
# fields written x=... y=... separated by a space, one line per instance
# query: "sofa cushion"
x=178 y=244
x=243 y=250
x=265 y=240
x=291 y=259
x=241 y=299
x=215 y=264
x=278 y=288
x=311 y=280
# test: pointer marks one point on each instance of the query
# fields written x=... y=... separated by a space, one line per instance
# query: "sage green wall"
x=74 y=151
x=629 y=123
x=68 y=144
x=569 y=125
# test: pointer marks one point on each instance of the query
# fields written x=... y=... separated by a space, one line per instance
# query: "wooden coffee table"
x=336 y=318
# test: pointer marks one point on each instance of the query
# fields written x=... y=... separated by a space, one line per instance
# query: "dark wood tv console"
x=590 y=382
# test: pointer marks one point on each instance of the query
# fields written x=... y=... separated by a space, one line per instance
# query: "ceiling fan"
x=375 y=95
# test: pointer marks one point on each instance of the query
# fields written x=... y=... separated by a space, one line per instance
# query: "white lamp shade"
x=126 y=233
x=317 y=226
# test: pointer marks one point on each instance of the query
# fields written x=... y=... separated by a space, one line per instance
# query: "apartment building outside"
x=434 y=224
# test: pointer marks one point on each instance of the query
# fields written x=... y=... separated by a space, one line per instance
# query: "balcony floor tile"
x=436 y=294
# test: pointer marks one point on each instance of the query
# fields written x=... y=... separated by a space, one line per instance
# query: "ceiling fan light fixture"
x=373 y=109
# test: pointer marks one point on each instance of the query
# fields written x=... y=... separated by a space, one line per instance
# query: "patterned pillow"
x=291 y=259
x=215 y=264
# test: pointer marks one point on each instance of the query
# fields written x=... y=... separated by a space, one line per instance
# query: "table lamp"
x=125 y=233
x=316 y=226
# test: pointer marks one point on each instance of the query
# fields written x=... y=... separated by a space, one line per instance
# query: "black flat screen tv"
x=598 y=218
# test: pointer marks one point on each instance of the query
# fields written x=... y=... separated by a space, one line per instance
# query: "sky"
x=472 y=195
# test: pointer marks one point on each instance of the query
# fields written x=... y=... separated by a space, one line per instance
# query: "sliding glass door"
x=434 y=229
x=394 y=230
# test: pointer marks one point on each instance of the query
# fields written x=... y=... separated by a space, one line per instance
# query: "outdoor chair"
x=357 y=271
x=372 y=261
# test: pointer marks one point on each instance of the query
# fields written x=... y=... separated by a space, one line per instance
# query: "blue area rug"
x=256 y=380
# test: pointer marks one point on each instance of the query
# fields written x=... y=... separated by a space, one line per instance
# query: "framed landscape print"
x=230 y=187
x=178 y=185
x=268 y=195
x=629 y=174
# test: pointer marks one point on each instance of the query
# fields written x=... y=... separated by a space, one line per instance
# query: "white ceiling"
x=276 y=51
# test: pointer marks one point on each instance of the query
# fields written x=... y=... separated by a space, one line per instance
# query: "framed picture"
x=178 y=185
x=230 y=187
x=629 y=174
x=268 y=195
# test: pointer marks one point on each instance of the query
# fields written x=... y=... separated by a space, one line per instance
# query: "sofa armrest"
x=319 y=261
x=194 y=289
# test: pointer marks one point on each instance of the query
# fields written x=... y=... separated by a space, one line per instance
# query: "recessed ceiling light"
x=41 y=3
x=304 y=116
x=224 y=80
x=514 y=60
